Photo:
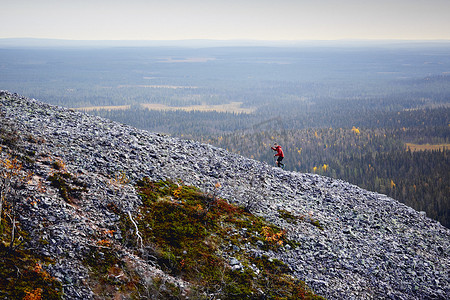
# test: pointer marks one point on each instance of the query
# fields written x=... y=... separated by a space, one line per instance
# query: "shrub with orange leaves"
x=10 y=174
x=38 y=269
x=273 y=237
x=33 y=295
x=119 y=180
x=177 y=192
x=104 y=243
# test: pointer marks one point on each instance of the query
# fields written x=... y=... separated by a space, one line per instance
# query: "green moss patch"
x=195 y=236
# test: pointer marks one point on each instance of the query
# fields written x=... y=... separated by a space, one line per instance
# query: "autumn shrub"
x=12 y=177
x=22 y=276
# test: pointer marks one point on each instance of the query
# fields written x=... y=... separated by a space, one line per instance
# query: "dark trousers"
x=279 y=161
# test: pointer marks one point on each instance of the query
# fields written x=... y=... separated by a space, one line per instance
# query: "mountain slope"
x=349 y=242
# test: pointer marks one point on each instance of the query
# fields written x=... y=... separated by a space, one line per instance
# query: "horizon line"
x=59 y=42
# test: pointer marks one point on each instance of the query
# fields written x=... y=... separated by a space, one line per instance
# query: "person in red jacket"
x=279 y=153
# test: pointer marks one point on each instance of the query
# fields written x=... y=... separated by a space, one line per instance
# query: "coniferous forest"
x=376 y=115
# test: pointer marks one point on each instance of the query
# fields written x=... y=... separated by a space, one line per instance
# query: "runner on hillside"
x=279 y=153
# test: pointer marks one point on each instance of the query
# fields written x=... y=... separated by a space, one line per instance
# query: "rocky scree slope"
x=370 y=246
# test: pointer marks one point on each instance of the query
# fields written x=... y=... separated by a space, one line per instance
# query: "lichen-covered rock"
x=352 y=243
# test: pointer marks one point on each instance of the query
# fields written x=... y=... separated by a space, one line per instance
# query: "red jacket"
x=279 y=151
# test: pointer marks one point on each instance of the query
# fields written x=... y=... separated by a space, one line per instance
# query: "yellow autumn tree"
x=392 y=184
x=355 y=130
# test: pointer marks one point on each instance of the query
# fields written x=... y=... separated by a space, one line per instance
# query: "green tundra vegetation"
x=194 y=236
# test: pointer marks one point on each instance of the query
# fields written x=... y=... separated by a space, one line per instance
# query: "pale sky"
x=225 y=19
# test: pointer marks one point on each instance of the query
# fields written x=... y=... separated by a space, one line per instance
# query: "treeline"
x=374 y=159
x=180 y=123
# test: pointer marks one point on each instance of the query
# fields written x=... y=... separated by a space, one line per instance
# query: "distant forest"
x=340 y=111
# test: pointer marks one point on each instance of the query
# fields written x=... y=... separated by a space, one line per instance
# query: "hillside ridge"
x=370 y=246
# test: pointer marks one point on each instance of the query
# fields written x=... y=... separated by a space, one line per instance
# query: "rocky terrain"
x=362 y=245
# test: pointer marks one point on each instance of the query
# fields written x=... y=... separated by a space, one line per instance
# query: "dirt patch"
x=233 y=107
x=427 y=147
